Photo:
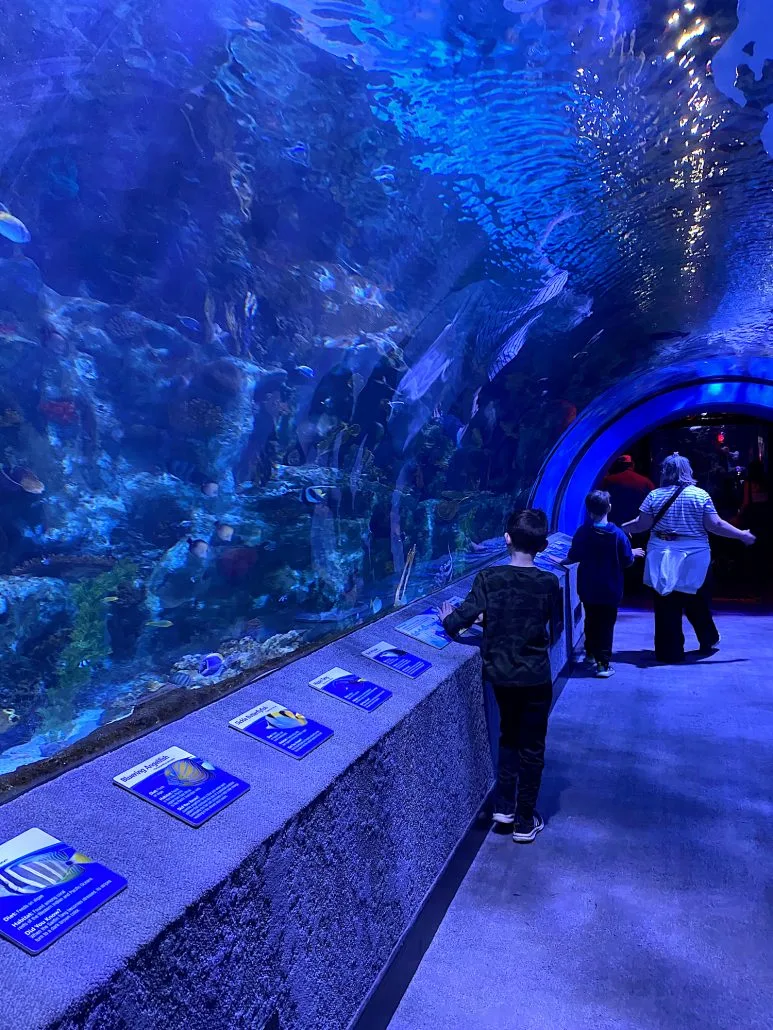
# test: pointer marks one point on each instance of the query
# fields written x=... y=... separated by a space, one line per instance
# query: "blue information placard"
x=395 y=658
x=350 y=688
x=426 y=628
x=47 y=888
x=289 y=732
x=183 y=785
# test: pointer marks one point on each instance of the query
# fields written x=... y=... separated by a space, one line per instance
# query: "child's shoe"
x=603 y=672
x=526 y=830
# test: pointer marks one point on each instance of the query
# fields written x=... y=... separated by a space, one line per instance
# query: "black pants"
x=523 y=726
x=669 y=637
x=600 y=622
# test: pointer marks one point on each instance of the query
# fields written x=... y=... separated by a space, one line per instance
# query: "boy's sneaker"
x=603 y=672
x=526 y=830
x=504 y=818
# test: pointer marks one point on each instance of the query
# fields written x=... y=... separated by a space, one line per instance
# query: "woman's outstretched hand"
x=445 y=610
x=747 y=538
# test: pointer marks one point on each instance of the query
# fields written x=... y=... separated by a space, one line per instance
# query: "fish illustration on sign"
x=284 y=719
x=39 y=871
x=188 y=773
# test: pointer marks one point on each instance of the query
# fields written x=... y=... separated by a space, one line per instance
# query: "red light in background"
x=720 y=437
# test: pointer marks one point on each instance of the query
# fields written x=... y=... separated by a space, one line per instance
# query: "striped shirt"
x=685 y=516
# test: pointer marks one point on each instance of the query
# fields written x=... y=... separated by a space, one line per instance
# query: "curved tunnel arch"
x=635 y=407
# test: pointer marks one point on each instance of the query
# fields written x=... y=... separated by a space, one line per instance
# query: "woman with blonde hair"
x=680 y=516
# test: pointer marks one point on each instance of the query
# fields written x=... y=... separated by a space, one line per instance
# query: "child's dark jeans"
x=600 y=622
x=523 y=726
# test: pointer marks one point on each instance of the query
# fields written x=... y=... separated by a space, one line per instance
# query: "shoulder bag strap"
x=662 y=511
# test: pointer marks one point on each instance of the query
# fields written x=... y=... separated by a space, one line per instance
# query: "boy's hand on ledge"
x=445 y=610
x=639 y=552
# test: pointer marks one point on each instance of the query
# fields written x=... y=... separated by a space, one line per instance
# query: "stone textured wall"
x=305 y=925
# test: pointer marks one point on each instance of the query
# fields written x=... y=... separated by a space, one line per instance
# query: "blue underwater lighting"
x=296 y=300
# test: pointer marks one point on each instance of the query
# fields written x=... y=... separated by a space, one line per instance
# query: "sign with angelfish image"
x=47 y=887
x=184 y=785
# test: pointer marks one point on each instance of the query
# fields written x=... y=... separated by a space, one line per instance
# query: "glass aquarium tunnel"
x=298 y=302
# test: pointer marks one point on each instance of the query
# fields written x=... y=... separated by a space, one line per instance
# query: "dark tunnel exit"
x=730 y=456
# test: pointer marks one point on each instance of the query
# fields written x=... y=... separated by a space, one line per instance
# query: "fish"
x=63 y=412
x=198 y=548
x=304 y=370
x=210 y=489
x=402 y=586
x=159 y=623
x=30 y=484
x=186 y=773
x=376 y=605
x=13 y=228
x=315 y=494
x=39 y=871
x=448 y=508
x=299 y=153
x=181 y=679
x=237 y=562
x=8 y=718
x=211 y=664
x=110 y=600
x=668 y=334
x=84 y=663
x=18 y=478
x=250 y=305
x=192 y=324
x=511 y=347
x=385 y=174
x=225 y=532
x=283 y=719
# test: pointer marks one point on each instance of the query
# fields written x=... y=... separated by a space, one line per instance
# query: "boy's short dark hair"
x=528 y=531
x=598 y=504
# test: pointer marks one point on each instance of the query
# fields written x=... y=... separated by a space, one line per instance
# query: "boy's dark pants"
x=523 y=726
x=600 y=622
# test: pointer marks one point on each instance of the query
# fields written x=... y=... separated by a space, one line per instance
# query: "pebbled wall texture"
x=282 y=910
x=305 y=924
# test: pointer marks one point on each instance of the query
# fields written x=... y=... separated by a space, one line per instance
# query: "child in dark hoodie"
x=603 y=552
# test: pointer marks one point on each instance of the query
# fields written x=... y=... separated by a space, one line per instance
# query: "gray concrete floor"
x=647 y=902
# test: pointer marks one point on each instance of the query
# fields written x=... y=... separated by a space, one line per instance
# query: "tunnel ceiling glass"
x=295 y=299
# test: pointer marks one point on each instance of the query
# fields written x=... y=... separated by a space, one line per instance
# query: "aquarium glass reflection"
x=295 y=299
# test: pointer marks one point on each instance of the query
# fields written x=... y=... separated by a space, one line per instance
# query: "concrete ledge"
x=291 y=900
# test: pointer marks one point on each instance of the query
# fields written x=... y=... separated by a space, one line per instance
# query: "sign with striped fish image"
x=47 y=887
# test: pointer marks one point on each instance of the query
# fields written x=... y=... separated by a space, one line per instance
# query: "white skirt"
x=680 y=564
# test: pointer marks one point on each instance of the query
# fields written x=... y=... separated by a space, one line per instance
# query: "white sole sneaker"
x=503 y=818
x=604 y=674
x=530 y=835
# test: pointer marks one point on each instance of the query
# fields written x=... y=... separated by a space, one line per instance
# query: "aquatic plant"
x=89 y=642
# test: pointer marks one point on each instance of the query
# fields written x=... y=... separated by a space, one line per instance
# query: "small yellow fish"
x=110 y=600
x=80 y=859
x=159 y=623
